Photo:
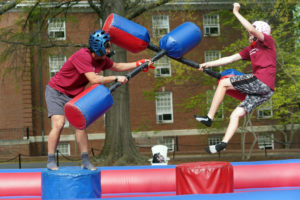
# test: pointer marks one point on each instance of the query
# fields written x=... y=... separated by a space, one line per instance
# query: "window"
x=209 y=96
x=168 y=141
x=160 y=25
x=211 y=25
x=213 y=140
x=265 y=141
x=265 y=110
x=163 y=67
x=213 y=55
x=55 y=63
x=164 y=107
x=64 y=148
x=57 y=29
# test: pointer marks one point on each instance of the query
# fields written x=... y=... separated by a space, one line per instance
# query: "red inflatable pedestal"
x=204 y=178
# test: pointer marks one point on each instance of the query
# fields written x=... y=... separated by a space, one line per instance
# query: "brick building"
x=24 y=125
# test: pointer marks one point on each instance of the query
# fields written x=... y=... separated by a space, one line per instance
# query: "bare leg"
x=58 y=122
x=234 y=123
x=223 y=86
x=82 y=140
x=231 y=129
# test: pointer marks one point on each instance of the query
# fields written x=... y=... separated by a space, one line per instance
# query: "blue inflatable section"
x=70 y=183
x=264 y=162
x=181 y=40
x=259 y=195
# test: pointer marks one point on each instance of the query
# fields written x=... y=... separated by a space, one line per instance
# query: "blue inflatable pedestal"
x=70 y=183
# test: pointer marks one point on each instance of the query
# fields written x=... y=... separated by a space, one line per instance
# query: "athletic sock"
x=85 y=164
x=51 y=164
x=205 y=120
x=216 y=148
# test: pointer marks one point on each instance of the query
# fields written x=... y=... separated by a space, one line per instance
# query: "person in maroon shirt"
x=81 y=68
x=258 y=86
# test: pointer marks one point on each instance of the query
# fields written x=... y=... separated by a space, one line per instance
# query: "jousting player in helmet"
x=83 y=67
x=258 y=86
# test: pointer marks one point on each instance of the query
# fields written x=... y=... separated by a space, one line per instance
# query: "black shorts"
x=256 y=91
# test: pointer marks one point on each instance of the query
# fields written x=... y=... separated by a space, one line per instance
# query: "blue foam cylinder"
x=88 y=106
x=181 y=40
x=70 y=183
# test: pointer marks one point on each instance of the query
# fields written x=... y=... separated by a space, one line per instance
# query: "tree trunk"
x=119 y=147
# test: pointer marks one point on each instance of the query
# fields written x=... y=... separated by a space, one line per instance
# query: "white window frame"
x=64 y=148
x=164 y=107
x=216 y=139
x=211 y=55
x=56 y=25
x=210 y=22
x=55 y=63
x=167 y=141
x=264 y=109
x=160 y=25
x=265 y=140
x=163 y=67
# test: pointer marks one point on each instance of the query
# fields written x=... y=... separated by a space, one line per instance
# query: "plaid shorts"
x=256 y=91
x=55 y=101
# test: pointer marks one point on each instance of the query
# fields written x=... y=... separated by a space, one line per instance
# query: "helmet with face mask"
x=98 y=42
x=262 y=27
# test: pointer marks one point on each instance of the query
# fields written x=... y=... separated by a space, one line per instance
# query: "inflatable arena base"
x=259 y=180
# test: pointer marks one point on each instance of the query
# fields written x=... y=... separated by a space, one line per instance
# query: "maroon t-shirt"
x=263 y=59
x=70 y=79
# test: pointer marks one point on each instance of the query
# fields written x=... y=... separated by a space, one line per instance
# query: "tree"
x=119 y=146
x=8 y=6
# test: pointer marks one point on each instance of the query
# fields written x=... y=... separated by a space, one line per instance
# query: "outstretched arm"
x=221 y=61
x=246 y=24
x=120 y=67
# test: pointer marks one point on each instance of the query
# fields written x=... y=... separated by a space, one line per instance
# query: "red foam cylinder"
x=204 y=178
x=20 y=184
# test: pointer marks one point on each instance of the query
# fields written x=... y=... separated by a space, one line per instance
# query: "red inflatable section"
x=204 y=178
x=20 y=184
x=267 y=176
x=138 y=181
